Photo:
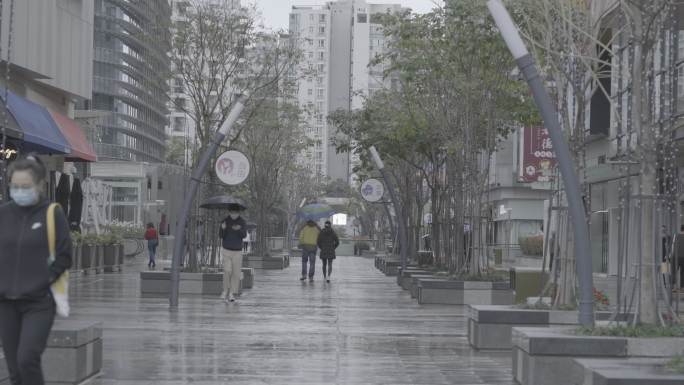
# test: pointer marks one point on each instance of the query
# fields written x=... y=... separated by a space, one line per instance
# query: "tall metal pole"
x=403 y=235
x=570 y=180
x=196 y=177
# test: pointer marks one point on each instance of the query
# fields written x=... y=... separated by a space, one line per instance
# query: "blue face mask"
x=24 y=196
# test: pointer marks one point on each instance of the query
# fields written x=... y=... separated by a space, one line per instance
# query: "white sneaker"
x=231 y=298
x=224 y=295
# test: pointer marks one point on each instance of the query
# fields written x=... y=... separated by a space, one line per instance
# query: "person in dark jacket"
x=152 y=239
x=327 y=242
x=233 y=231
x=27 y=308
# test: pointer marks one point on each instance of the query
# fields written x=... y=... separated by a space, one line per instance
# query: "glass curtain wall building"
x=131 y=65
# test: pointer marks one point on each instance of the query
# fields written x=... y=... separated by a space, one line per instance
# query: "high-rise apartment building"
x=131 y=65
x=338 y=39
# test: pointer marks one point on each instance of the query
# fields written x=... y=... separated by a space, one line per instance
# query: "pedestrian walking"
x=152 y=238
x=328 y=243
x=308 y=239
x=28 y=268
x=233 y=231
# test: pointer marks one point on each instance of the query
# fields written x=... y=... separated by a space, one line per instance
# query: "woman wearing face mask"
x=233 y=231
x=27 y=309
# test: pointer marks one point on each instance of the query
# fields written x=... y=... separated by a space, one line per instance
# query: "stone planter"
x=404 y=278
x=641 y=371
x=73 y=354
x=158 y=283
x=87 y=256
x=544 y=356
x=441 y=291
x=110 y=258
x=491 y=326
x=271 y=262
x=77 y=257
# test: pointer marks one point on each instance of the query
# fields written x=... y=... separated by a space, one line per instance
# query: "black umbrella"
x=225 y=202
x=76 y=206
x=62 y=193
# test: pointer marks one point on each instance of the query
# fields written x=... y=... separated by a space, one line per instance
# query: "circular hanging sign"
x=372 y=190
x=232 y=167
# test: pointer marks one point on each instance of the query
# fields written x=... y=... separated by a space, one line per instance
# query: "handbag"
x=59 y=288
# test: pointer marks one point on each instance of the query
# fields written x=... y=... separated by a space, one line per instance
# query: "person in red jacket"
x=152 y=239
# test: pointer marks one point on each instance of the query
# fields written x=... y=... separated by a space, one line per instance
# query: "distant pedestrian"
x=308 y=239
x=27 y=269
x=152 y=239
x=327 y=242
x=233 y=231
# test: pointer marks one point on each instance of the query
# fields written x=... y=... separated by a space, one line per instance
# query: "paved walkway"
x=360 y=329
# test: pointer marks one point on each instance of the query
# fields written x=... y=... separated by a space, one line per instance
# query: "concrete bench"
x=448 y=292
x=404 y=276
x=491 y=326
x=642 y=371
x=543 y=355
x=247 y=278
x=73 y=354
x=271 y=262
x=156 y=283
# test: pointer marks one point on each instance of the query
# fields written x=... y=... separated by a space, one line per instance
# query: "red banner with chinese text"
x=537 y=158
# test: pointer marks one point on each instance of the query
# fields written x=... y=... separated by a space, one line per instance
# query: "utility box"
x=527 y=282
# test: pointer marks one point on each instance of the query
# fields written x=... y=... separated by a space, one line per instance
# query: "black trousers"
x=24 y=330
x=327 y=265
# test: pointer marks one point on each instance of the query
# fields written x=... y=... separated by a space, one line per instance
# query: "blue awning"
x=41 y=134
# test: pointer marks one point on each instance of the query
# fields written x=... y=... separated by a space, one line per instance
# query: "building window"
x=311 y=17
x=178 y=124
x=321 y=67
x=179 y=103
x=309 y=92
x=321 y=43
x=321 y=18
x=361 y=18
x=321 y=30
x=321 y=55
x=311 y=30
x=320 y=93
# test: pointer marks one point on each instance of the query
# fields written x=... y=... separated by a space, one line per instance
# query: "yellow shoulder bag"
x=60 y=288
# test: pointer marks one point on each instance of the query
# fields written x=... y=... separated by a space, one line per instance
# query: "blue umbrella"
x=315 y=211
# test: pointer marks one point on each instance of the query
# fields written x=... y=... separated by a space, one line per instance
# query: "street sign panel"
x=372 y=190
x=232 y=167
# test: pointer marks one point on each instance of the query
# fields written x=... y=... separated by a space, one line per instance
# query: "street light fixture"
x=527 y=66
x=403 y=235
x=179 y=242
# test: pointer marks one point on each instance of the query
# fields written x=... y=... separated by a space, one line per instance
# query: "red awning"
x=81 y=150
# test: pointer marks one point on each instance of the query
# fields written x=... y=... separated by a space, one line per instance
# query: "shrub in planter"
x=533 y=245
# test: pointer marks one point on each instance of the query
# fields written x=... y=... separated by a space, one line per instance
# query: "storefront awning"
x=41 y=134
x=81 y=150
x=12 y=127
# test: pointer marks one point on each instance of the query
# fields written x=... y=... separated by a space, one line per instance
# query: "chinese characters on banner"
x=537 y=159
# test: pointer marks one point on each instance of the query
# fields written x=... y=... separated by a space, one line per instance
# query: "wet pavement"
x=359 y=329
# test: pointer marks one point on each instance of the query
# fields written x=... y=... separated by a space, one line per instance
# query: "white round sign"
x=372 y=190
x=232 y=167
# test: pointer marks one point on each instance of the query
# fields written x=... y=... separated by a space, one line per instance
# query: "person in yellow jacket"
x=308 y=238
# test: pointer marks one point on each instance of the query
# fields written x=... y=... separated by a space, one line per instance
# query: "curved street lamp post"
x=527 y=66
x=403 y=236
x=179 y=242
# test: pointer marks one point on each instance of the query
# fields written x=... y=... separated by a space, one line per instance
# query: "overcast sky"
x=276 y=12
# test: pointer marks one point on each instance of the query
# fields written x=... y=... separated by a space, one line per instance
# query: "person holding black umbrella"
x=233 y=231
